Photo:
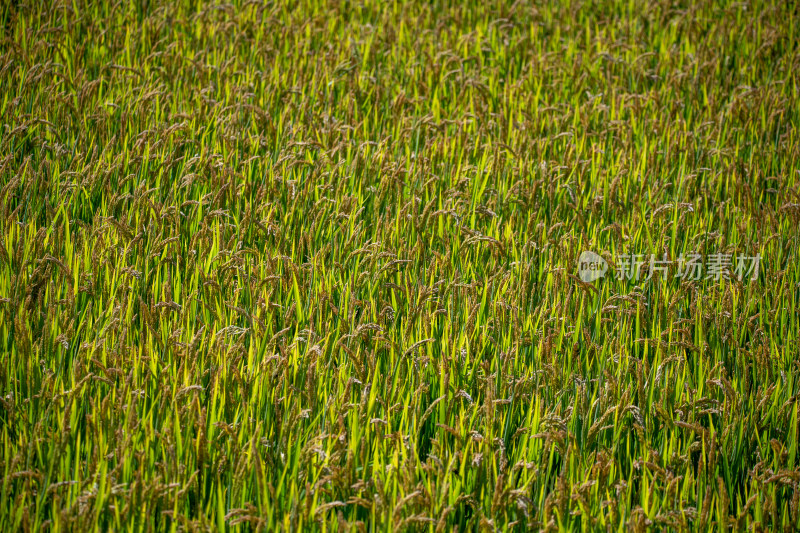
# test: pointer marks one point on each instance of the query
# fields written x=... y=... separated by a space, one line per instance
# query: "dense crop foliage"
x=315 y=266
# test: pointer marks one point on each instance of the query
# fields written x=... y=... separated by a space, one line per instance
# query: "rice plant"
x=316 y=266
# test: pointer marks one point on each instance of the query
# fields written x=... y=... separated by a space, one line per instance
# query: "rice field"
x=319 y=266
